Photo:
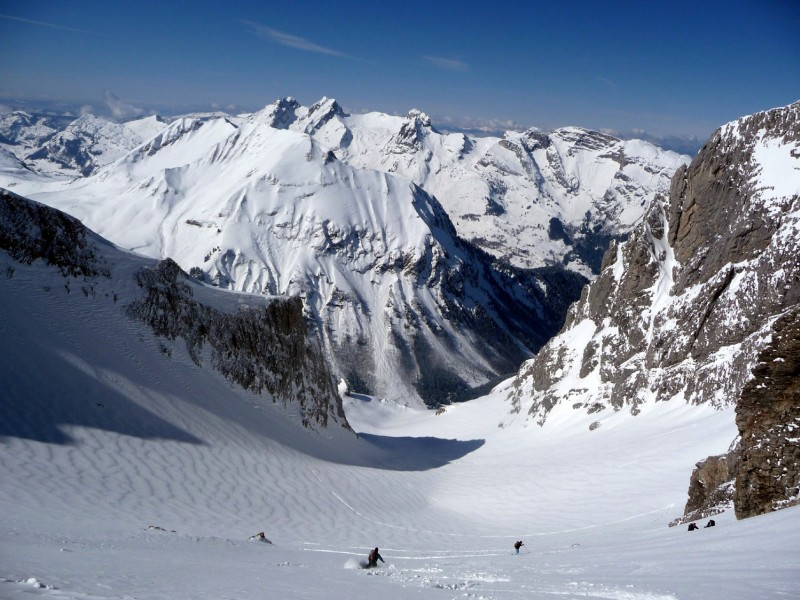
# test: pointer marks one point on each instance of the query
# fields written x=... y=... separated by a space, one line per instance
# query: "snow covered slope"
x=531 y=198
x=258 y=343
x=706 y=290
x=126 y=470
x=405 y=308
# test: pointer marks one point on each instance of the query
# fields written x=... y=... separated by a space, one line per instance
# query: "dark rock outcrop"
x=30 y=231
x=768 y=418
x=263 y=349
x=711 y=487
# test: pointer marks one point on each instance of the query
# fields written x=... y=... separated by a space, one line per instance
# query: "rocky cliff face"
x=265 y=347
x=768 y=418
x=700 y=306
x=30 y=231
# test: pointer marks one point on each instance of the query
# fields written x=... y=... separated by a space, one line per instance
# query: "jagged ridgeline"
x=262 y=345
x=700 y=305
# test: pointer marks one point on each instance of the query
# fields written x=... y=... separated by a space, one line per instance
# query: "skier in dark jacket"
x=374 y=557
x=518 y=545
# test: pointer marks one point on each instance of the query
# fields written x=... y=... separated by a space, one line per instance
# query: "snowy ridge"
x=533 y=198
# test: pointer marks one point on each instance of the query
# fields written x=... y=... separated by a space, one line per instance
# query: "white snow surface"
x=779 y=163
x=150 y=474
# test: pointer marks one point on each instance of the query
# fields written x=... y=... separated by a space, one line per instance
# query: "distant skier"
x=517 y=546
x=374 y=557
x=693 y=526
x=710 y=523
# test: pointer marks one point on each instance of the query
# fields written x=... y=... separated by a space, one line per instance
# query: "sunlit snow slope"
x=532 y=198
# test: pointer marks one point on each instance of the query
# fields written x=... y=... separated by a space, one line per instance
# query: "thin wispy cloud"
x=447 y=63
x=289 y=40
x=608 y=82
x=50 y=25
x=477 y=126
x=121 y=110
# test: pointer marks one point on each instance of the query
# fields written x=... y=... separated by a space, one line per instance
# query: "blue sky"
x=667 y=68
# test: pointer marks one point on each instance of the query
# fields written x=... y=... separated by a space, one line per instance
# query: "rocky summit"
x=700 y=305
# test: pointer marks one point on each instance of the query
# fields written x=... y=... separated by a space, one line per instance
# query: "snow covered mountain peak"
x=280 y=114
x=417 y=115
x=319 y=114
x=72 y=147
x=391 y=290
x=29 y=131
x=584 y=139
x=405 y=243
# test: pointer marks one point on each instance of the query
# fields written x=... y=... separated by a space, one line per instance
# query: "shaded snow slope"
x=257 y=343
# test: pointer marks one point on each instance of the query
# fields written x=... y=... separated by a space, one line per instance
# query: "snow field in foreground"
x=112 y=436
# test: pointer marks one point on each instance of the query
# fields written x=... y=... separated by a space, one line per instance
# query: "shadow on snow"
x=417 y=453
